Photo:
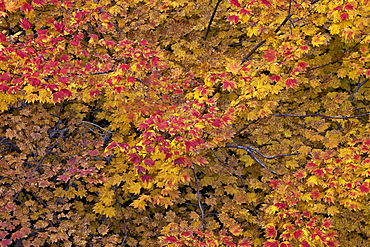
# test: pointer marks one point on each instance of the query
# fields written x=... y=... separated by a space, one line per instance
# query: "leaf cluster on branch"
x=184 y=123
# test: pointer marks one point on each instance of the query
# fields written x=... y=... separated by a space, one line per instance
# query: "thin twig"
x=339 y=59
x=245 y=127
x=320 y=115
x=224 y=163
x=249 y=54
x=199 y=197
x=211 y=20
x=251 y=150
x=358 y=88
x=97 y=126
x=271 y=157
x=219 y=159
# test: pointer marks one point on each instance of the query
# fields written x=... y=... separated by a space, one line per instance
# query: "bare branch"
x=320 y=115
x=245 y=127
x=339 y=59
x=358 y=88
x=211 y=20
x=251 y=151
x=224 y=163
x=249 y=54
x=199 y=197
x=97 y=126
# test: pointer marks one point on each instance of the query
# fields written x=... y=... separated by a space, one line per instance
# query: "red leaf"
x=39 y=2
x=266 y=3
x=271 y=232
x=25 y=24
x=291 y=83
x=244 y=11
x=235 y=3
x=201 y=160
x=51 y=87
x=365 y=188
x=34 y=81
x=245 y=242
x=64 y=178
x=134 y=158
x=13 y=89
x=143 y=42
x=94 y=92
x=186 y=234
x=124 y=146
x=112 y=145
x=234 y=18
x=3 y=234
x=302 y=65
x=305 y=244
x=5 y=77
x=274 y=78
x=344 y=16
x=2 y=37
x=271 y=243
x=171 y=239
x=326 y=223
x=311 y=165
x=146 y=178
x=5 y=242
x=26 y=7
x=61 y=95
x=285 y=245
x=217 y=123
x=180 y=161
x=59 y=26
x=298 y=234
x=280 y=205
x=149 y=162
x=131 y=79
x=270 y=55
x=319 y=172
x=140 y=169
x=228 y=85
x=124 y=67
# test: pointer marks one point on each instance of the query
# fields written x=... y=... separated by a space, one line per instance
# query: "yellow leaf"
x=313 y=180
x=234 y=67
x=306 y=197
x=272 y=209
x=236 y=230
x=333 y=210
x=139 y=204
x=109 y=212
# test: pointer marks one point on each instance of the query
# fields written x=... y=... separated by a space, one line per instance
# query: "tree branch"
x=211 y=20
x=249 y=54
x=198 y=195
x=252 y=152
x=358 y=88
x=320 y=115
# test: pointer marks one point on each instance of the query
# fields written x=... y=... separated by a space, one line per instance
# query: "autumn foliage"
x=184 y=123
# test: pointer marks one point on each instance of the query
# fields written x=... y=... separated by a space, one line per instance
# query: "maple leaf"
x=270 y=55
x=26 y=24
x=234 y=19
x=61 y=95
x=266 y=3
x=271 y=231
x=146 y=178
x=228 y=85
x=291 y=83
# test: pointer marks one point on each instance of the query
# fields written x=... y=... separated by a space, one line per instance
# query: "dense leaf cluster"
x=184 y=123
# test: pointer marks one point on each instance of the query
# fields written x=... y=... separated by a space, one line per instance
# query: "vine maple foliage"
x=184 y=123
